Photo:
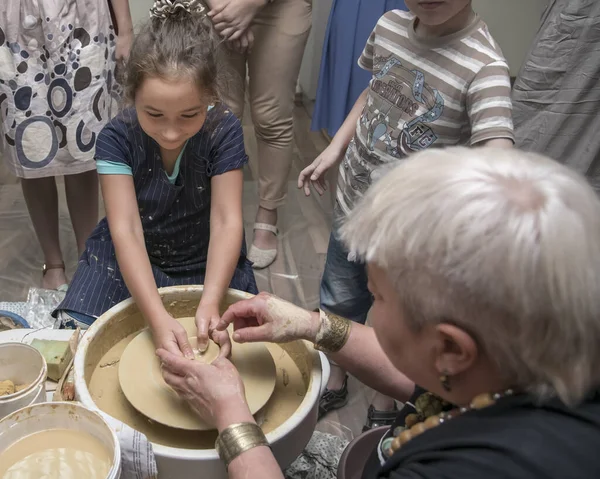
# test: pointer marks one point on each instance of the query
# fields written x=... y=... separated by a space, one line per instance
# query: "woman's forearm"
x=137 y=272
x=363 y=357
x=346 y=132
x=224 y=248
x=123 y=17
x=256 y=462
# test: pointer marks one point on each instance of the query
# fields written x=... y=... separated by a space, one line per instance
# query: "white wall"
x=309 y=72
x=513 y=23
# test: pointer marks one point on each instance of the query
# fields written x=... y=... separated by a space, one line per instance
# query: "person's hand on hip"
x=232 y=18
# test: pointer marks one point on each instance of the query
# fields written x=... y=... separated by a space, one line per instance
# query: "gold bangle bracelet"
x=237 y=439
x=333 y=333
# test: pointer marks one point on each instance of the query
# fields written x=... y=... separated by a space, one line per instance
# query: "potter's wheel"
x=142 y=383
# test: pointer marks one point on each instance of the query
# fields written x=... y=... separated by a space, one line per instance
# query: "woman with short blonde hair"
x=485 y=269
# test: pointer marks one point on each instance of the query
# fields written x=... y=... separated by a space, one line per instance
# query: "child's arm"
x=333 y=154
x=128 y=237
x=125 y=28
x=497 y=143
x=225 y=243
x=490 y=108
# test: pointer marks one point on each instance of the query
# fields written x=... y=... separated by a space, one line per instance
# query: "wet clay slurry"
x=290 y=389
x=56 y=454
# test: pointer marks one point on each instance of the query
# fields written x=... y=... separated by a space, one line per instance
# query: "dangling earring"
x=445 y=380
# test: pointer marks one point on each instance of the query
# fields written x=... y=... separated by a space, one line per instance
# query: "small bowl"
x=22 y=364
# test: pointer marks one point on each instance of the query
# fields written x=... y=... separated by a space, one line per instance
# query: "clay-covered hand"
x=269 y=318
x=315 y=172
x=233 y=17
x=207 y=315
x=170 y=335
x=215 y=391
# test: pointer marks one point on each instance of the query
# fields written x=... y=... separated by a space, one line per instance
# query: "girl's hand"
x=315 y=172
x=171 y=336
x=215 y=391
x=124 y=42
x=269 y=318
x=231 y=18
x=207 y=319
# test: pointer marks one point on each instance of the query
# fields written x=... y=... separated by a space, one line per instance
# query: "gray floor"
x=295 y=275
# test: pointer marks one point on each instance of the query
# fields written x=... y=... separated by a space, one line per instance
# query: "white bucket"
x=22 y=364
x=62 y=415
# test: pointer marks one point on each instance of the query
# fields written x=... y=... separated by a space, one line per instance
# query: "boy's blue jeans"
x=344 y=288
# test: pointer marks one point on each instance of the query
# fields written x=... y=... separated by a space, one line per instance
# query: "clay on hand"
x=269 y=318
x=206 y=357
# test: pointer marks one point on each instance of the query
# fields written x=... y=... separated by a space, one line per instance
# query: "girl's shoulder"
x=220 y=123
x=124 y=124
x=120 y=136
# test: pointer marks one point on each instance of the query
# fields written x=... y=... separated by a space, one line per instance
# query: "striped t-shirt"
x=438 y=92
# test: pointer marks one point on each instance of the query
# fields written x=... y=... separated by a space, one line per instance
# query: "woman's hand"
x=243 y=44
x=315 y=172
x=269 y=318
x=215 y=391
x=231 y=18
x=171 y=336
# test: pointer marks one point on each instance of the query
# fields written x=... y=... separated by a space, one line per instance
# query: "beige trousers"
x=280 y=33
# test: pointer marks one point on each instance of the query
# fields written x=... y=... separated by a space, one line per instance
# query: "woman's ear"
x=456 y=350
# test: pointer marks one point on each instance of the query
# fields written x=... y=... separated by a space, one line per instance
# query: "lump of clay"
x=7 y=387
x=20 y=387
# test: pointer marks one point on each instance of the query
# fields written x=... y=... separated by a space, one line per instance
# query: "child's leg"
x=41 y=198
x=82 y=200
x=343 y=292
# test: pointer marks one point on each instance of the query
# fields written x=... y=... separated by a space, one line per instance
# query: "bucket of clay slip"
x=62 y=416
x=24 y=366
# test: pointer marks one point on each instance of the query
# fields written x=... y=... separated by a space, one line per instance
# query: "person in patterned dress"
x=57 y=91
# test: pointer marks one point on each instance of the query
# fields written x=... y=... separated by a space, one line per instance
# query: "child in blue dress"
x=171 y=176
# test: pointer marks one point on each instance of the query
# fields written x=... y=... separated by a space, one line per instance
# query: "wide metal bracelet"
x=237 y=439
x=333 y=333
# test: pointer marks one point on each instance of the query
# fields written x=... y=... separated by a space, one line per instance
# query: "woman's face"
x=412 y=353
x=170 y=112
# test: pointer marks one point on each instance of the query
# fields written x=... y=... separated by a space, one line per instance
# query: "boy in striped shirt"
x=439 y=79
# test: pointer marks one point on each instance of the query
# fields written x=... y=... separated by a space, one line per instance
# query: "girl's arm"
x=226 y=236
x=128 y=236
x=124 y=27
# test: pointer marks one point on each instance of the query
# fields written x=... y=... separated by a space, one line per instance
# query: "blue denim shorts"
x=73 y=320
x=344 y=289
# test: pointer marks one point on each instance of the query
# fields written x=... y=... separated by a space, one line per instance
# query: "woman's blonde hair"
x=503 y=243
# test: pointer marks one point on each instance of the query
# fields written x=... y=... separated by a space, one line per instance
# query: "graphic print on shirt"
x=402 y=106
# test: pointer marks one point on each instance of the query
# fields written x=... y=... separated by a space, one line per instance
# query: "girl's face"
x=170 y=111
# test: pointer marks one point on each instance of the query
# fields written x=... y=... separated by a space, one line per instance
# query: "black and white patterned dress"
x=57 y=86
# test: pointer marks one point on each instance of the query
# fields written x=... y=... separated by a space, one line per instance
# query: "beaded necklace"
x=429 y=415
